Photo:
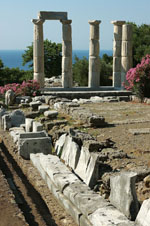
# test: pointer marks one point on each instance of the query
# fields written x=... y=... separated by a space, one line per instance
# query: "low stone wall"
x=84 y=205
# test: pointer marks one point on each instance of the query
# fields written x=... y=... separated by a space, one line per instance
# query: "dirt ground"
x=121 y=117
x=27 y=200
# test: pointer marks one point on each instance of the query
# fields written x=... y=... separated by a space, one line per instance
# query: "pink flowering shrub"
x=139 y=78
x=28 y=88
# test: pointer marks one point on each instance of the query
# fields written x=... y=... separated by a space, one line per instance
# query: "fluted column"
x=94 y=61
x=126 y=50
x=117 y=52
x=38 y=51
x=66 y=54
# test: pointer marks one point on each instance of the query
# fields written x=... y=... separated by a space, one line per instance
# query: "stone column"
x=94 y=61
x=126 y=51
x=117 y=52
x=38 y=51
x=66 y=54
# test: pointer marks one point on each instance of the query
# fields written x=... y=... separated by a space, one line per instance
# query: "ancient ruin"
x=122 y=51
x=89 y=151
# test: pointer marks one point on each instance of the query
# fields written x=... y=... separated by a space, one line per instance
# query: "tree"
x=141 y=42
x=1 y=64
x=52 y=58
x=106 y=71
x=80 y=71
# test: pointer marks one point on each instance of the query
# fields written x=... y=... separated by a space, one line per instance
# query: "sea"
x=13 y=58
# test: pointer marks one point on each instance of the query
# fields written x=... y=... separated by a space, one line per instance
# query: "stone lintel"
x=49 y=15
x=66 y=21
x=94 y=22
x=118 y=22
x=37 y=21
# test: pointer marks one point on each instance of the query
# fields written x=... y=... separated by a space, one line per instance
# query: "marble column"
x=38 y=52
x=117 y=53
x=94 y=60
x=67 y=80
x=126 y=51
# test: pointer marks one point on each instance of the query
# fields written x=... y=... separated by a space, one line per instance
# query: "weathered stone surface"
x=32 y=134
x=117 y=52
x=109 y=216
x=143 y=217
x=70 y=152
x=25 y=99
x=64 y=179
x=76 y=188
x=58 y=105
x=35 y=159
x=14 y=119
x=35 y=105
x=70 y=208
x=140 y=131
x=51 y=114
x=43 y=108
x=59 y=144
x=83 y=204
x=6 y=122
x=17 y=118
x=50 y=125
x=32 y=114
x=96 y=121
x=67 y=54
x=89 y=203
x=82 y=163
x=38 y=51
x=50 y=15
x=94 y=63
x=36 y=145
x=127 y=32
x=52 y=165
x=39 y=98
x=87 y=167
x=15 y=133
x=92 y=171
x=66 y=48
x=28 y=124
x=83 y=221
x=94 y=29
x=123 y=194
x=9 y=97
x=37 y=126
x=126 y=59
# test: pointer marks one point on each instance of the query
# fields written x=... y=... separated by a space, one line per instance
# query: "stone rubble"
x=83 y=204
x=143 y=217
x=123 y=194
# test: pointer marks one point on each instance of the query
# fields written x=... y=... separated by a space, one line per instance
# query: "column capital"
x=118 y=22
x=66 y=21
x=94 y=22
x=37 y=21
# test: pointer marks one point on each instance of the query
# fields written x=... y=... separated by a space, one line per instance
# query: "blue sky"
x=16 y=28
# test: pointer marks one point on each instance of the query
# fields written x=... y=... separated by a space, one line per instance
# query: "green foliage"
x=27 y=57
x=141 y=42
x=52 y=58
x=13 y=75
x=80 y=71
x=1 y=64
x=105 y=72
x=107 y=59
